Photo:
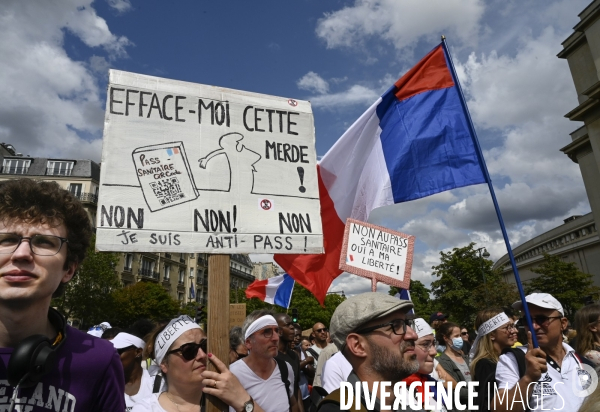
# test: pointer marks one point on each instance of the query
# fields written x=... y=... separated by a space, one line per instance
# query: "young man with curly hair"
x=44 y=235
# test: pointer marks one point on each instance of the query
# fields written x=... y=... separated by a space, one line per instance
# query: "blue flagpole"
x=491 y=187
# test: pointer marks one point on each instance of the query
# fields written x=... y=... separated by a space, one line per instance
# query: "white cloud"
x=355 y=95
x=49 y=97
x=401 y=23
x=122 y=6
x=312 y=82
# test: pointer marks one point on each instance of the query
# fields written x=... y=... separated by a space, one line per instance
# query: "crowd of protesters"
x=372 y=337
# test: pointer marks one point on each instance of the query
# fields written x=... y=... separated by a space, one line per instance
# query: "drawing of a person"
x=241 y=162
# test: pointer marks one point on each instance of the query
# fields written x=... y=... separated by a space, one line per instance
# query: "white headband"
x=260 y=323
x=170 y=333
x=124 y=340
x=487 y=327
x=422 y=328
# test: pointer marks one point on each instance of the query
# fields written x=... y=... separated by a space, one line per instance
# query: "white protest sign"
x=194 y=168
x=377 y=253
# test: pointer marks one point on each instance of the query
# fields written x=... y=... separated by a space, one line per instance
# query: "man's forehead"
x=27 y=228
x=318 y=326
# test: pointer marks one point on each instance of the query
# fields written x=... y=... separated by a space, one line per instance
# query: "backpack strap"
x=157 y=381
x=313 y=353
x=283 y=370
x=520 y=356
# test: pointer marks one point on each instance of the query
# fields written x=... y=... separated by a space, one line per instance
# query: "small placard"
x=237 y=314
x=378 y=253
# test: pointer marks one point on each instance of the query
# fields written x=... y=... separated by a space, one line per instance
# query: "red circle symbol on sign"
x=266 y=204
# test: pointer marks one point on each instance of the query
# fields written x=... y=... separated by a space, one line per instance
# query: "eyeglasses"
x=322 y=330
x=41 y=245
x=190 y=350
x=398 y=326
x=509 y=327
x=123 y=350
x=464 y=333
x=268 y=333
x=426 y=345
x=541 y=320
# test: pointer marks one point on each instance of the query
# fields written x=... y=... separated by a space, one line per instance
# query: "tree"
x=142 y=300
x=309 y=309
x=564 y=281
x=87 y=296
x=460 y=290
x=419 y=295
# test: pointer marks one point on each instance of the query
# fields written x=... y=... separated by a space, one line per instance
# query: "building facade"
x=183 y=275
x=577 y=240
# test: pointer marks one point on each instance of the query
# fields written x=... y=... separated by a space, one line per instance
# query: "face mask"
x=440 y=348
x=457 y=343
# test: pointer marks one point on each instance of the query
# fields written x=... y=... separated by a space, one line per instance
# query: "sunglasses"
x=189 y=351
x=123 y=350
x=322 y=330
x=541 y=320
x=464 y=333
x=398 y=326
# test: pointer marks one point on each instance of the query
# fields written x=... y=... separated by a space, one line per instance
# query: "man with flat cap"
x=372 y=331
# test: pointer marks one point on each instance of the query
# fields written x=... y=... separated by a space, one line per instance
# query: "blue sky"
x=340 y=55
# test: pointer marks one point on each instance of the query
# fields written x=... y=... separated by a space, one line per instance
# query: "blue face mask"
x=457 y=343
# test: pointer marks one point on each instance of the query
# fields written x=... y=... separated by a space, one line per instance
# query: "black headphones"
x=35 y=355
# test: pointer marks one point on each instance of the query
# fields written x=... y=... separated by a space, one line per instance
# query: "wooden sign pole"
x=218 y=318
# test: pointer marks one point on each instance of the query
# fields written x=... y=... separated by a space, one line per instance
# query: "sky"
x=339 y=55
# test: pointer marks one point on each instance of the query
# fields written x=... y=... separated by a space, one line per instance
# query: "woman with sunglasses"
x=587 y=324
x=237 y=349
x=426 y=353
x=495 y=332
x=180 y=351
x=452 y=361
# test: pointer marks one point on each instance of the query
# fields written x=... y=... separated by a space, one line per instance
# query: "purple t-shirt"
x=88 y=377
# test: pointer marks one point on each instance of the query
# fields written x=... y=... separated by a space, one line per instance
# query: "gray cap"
x=358 y=310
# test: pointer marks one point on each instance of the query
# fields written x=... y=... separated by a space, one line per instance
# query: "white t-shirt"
x=150 y=404
x=558 y=393
x=144 y=393
x=270 y=393
x=335 y=371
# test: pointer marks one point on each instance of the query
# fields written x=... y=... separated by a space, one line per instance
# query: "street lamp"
x=486 y=255
x=341 y=292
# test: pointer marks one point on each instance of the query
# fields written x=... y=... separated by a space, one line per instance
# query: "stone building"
x=183 y=275
x=577 y=240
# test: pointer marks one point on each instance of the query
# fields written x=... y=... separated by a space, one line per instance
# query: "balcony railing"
x=15 y=170
x=87 y=197
x=147 y=273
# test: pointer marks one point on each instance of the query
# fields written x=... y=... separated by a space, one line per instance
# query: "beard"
x=391 y=365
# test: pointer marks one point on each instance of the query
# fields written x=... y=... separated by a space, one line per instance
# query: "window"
x=59 y=168
x=192 y=273
x=16 y=166
x=180 y=296
x=128 y=261
x=181 y=275
x=148 y=265
x=75 y=189
x=167 y=271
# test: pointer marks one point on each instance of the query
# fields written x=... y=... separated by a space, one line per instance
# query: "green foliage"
x=564 y=281
x=419 y=295
x=87 y=296
x=309 y=310
x=143 y=300
x=460 y=290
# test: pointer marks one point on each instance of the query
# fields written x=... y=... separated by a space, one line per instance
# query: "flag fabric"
x=414 y=141
x=404 y=294
x=192 y=291
x=276 y=290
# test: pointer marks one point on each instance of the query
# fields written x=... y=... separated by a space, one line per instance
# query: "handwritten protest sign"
x=377 y=253
x=237 y=314
x=194 y=168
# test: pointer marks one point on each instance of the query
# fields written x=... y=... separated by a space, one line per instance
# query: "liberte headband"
x=170 y=333
x=260 y=323
x=486 y=327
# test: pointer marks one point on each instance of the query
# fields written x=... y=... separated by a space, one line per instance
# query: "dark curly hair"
x=36 y=202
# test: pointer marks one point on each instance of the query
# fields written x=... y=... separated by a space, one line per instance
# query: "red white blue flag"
x=414 y=141
x=276 y=290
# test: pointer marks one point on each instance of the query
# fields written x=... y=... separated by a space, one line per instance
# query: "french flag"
x=414 y=141
x=276 y=290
